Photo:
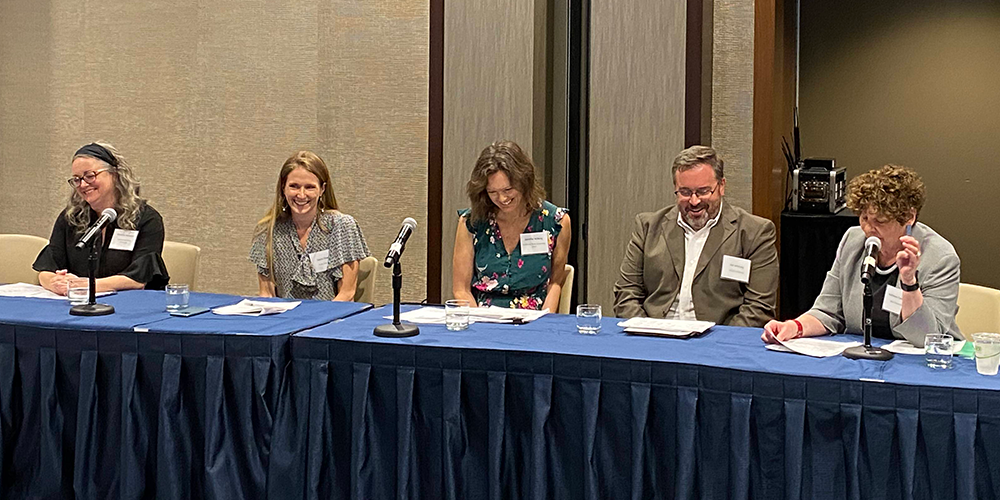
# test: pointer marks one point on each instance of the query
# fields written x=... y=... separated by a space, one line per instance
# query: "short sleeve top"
x=512 y=280
x=333 y=232
x=143 y=264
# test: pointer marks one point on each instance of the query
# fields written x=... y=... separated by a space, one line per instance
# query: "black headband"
x=95 y=150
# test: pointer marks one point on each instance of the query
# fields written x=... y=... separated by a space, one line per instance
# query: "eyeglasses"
x=700 y=192
x=89 y=177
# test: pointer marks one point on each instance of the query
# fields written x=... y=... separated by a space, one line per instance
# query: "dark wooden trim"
x=764 y=87
x=435 y=151
x=693 y=73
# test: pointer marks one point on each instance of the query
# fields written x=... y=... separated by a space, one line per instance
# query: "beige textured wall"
x=488 y=96
x=207 y=99
x=732 y=96
x=913 y=83
x=636 y=125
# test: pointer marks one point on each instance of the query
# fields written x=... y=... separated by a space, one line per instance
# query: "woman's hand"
x=908 y=259
x=56 y=282
x=780 y=330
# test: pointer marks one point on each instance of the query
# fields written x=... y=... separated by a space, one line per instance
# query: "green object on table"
x=968 y=350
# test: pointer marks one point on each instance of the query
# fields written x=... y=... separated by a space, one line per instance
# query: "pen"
x=909 y=230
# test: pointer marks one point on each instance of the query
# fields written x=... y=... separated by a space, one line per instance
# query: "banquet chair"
x=567 y=291
x=19 y=252
x=365 y=291
x=978 y=309
x=182 y=262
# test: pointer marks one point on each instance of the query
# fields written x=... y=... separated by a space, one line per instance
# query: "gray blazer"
x=839 y=304
x=651 y=272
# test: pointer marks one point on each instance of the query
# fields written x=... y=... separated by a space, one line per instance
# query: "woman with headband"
x=129 y=248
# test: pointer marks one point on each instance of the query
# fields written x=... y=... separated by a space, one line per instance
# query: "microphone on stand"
x=872 y=247
x=107 y=217
x=397 y=329
x=397 y=247
x=92 y=308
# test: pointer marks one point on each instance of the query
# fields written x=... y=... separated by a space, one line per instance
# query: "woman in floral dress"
x=511 y=245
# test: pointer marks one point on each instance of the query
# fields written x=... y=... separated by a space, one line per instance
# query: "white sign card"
x=534 y=243
x=735 y=268
x=123 y=239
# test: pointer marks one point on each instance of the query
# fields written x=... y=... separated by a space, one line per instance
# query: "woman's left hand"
x=908 y=259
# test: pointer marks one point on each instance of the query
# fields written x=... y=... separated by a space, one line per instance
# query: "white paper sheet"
x=247 y=307
x=817 y=348
x=905 y=347
x=667 y=327
x=35 y=291
x=436 y=315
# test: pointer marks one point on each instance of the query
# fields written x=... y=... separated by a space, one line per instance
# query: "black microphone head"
x=110 y=214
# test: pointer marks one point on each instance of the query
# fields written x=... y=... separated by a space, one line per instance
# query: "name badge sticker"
x=534 y=243
x=893 y=301
x=320 y=260
x=123 y=239
x=736 y=269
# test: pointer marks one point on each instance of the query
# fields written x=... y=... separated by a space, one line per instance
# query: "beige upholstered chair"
x=978 y=309
x=18 y=252
x=567 y=291
x=366 y=280
x=182 y=262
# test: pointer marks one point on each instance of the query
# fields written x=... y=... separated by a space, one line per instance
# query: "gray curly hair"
x=128 y=200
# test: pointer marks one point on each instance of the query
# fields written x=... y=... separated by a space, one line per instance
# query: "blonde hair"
x=279 y=209
x=127 y=199
x=892 y=191
x=509 y=158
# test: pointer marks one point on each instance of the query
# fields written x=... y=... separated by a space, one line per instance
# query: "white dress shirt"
x=694 y=243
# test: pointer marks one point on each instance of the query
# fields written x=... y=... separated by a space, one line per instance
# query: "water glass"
x=987 y=352
x=588 y=318
x=938 y=350
x=78 y=291
x=456 y=314
x=177 y=297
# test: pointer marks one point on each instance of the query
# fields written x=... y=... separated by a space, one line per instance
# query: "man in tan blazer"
x=702 y=258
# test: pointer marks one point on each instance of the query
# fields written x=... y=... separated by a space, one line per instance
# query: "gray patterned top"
x=295 y=276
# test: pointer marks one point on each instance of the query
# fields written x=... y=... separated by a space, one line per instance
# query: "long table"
x=539 y=411
x=140 y=404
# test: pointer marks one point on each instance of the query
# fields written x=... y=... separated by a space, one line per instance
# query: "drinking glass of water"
x=456 y=314
x=588 y=318
x=938 y=350
x=78 y=291
x=177 y=297
x=987 y=352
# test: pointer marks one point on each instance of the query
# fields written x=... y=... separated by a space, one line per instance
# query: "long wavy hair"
x=279 y=209
x=509 y=158
x=127 y=199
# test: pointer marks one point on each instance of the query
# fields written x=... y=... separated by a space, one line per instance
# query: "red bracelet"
x=799 y=334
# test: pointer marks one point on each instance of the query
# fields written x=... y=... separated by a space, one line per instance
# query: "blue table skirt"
x=613 y=416
x=90 y=408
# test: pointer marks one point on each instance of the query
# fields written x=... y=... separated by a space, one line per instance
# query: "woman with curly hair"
x=923 y=265
x=511 y=246
x=130 y=247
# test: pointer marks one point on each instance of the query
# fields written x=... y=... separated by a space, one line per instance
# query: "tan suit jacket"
x=651 y=273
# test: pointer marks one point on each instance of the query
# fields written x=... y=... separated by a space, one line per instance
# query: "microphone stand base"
x=867 y=352
x=396 y=331
x=92 y=310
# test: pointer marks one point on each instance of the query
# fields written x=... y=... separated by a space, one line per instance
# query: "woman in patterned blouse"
x=511 y=246
x=304 y=247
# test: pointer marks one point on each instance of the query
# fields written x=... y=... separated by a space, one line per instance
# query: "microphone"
x=396 y=249
x=107 y=216
x=872 y=246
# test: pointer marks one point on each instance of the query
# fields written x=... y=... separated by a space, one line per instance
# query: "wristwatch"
x=915 y=286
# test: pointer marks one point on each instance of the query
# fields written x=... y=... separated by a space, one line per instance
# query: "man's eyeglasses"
x=700 y=192
x=88 y=177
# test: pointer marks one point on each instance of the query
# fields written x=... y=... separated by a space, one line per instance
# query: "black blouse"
x=143 y=264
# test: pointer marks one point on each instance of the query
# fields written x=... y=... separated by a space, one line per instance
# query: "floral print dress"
x=512 y=280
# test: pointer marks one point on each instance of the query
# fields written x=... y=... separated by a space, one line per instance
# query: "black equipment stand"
x=92 y=308
x=396 y=329
x=867 y=351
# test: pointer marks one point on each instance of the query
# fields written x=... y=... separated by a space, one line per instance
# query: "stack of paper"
x=817 y=348
x=492 y=314
x=905 y=347
x=665 y=327
x=247 y=307
x=34 y=291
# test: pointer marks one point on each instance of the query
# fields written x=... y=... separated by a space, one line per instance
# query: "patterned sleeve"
x=557 y=214
x=258 y=253
x=347 y=242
